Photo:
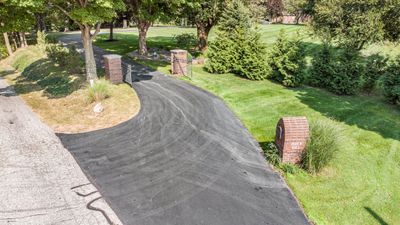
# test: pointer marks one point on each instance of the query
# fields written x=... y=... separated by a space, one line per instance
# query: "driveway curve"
x=185 y=159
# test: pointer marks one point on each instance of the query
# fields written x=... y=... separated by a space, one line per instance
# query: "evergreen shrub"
x=238 y=48
x=287 y=61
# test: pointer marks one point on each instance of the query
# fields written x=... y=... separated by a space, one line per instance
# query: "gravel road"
x=41 y=183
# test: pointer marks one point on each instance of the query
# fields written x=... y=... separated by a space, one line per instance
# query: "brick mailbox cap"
x=112 y=56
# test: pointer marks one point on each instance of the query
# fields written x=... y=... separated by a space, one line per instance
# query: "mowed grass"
x=60 y=97
x=364 y=177
x=361 y=185
x=157 y=37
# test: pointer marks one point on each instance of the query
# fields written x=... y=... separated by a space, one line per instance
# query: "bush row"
x=346 y=73
x=341 y=71
x=245 y=55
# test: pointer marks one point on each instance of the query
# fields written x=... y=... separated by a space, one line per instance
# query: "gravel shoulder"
x=41 y=183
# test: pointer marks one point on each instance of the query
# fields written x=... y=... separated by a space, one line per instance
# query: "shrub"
x=3 y=51
x=391 y=82
x=348 y=70
x=287 y=61
x=339 y=74
x=322 y=67
x=99 y=91
x=271 y=153
x=325 y=141
x=237 y=48
x=68 y=58
x=375 y=67
x=186 y=40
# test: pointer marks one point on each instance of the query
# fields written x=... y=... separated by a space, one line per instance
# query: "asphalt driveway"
x=185 y=159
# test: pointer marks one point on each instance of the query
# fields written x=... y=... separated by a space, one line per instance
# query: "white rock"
x=98 y=108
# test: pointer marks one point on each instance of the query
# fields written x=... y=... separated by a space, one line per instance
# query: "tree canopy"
x=354 y=23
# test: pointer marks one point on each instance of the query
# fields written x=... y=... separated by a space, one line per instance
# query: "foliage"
x=374 y=69
x=298 y=8
x=324 y=143
x=322 y=67
x=16 y=16
x=68 y=58
x=41 y=40
x=354 y=23
x=3 y=51
x=340 y=74
x=203 y=14
x=88 y=14
x=275 y=8
x=391 y=20
x=287 y=61
x=346 y=78
x=186 y=40
x=237 y=48
x=391 y=82
x=271 y=153
x=99 y=91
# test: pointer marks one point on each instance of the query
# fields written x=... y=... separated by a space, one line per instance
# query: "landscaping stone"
x=98 y=108
x=292 y=134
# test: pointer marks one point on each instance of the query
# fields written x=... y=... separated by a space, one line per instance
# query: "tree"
x=16 y=17
x=145 y=12
x=88 y=15
x=298 y=8
x=352 y=23
x=391 y=20
x=205 y=15
x=238 y=48
x=275 y=8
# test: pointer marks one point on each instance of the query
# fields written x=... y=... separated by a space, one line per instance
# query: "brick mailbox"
x=179 y=62
x=113 y=68
x=292 y=134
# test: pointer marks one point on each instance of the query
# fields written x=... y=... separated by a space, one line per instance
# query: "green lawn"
x=361 y=186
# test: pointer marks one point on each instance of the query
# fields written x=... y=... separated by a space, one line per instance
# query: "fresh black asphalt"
x=185 y=159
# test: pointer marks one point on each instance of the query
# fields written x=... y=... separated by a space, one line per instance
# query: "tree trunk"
x=7 y=43
x=124 y=24
x=90 y=63
x=40 y=24
x=14 y=39
x=24 y=43
x=143 y=27
x=111 y=37
x=202 y=35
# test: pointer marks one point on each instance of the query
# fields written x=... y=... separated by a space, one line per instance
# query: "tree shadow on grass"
x=6 y=72
x=43 y=74
x=379 y=219
x=368 y=113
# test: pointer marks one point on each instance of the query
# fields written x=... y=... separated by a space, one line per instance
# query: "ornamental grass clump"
x=324 y=142
x=99 y=91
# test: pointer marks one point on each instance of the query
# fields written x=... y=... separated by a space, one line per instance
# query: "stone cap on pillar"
x=112 y=56
x=178 y=51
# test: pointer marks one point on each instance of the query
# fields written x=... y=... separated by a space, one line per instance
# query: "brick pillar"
x=292 y=134
x=113 y=68
x=179 y=62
